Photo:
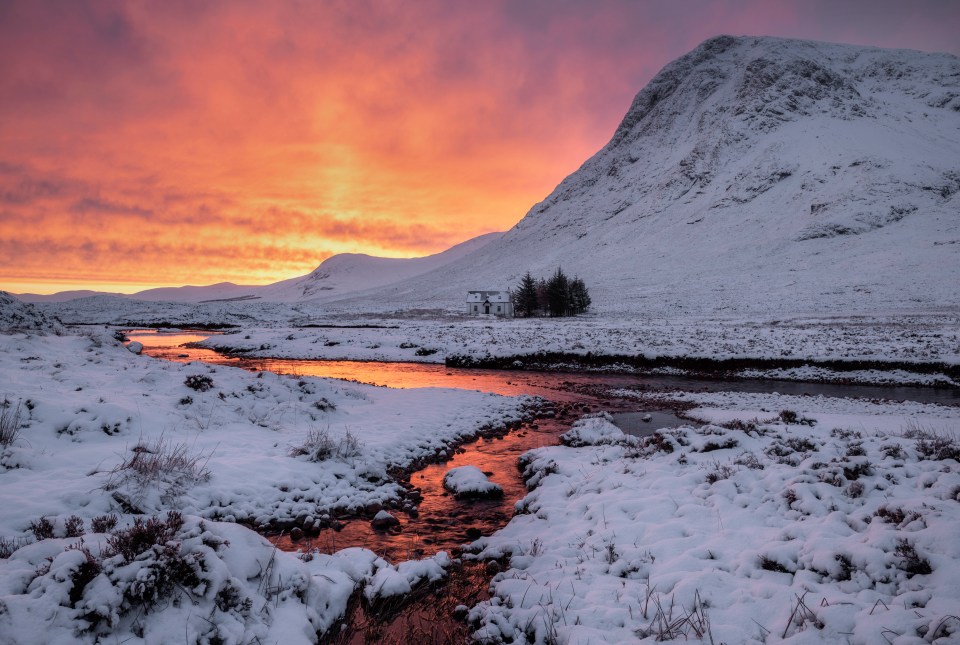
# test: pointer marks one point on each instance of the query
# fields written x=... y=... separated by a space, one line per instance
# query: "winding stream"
x=556 y=386
x=441 y=522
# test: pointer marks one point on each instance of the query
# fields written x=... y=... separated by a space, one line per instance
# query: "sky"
x=160 y=143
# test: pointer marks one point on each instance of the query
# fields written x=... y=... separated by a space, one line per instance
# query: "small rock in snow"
x=470 y=482
x=384 y=520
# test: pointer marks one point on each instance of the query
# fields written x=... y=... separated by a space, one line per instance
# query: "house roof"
x=492 y=296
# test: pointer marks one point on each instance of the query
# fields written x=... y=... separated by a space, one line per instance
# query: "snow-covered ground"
x=839 y=526
x=817 y=523
x=93 y=431
x=933 y=338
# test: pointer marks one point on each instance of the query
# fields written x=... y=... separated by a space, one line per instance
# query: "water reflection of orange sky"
x=552 y=385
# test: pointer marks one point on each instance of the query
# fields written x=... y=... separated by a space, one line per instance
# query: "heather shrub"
x=934 y=445
x=84 y=574
x=74 y=526
x=103 y=523
x=144 y=534
x=199 y=382
x=320 y=446
x=9 y=545
x=42 y=529
x=720 y=471
x=910 y=560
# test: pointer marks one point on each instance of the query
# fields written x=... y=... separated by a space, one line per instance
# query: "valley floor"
x=922 y=349
x=95 y=438
x=808 y=519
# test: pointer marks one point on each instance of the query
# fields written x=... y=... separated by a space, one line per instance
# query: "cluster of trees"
x=558 y=296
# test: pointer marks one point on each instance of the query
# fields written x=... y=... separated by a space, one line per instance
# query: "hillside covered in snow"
x=751 y=175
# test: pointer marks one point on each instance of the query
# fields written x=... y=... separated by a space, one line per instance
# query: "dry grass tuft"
x=933 y=445
x=320 y=446
x=172 y=467
x=10 y=422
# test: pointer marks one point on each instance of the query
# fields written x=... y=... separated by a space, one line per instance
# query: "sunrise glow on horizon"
x=147 y=144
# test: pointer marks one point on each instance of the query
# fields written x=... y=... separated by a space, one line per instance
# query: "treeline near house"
x=558 y=296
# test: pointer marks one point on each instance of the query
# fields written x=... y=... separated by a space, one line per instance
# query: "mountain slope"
x=751 y=175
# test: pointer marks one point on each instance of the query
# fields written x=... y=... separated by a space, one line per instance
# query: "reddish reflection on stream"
x=554 y=385
x=170 y=345
x=551 y=385
x=442 y=521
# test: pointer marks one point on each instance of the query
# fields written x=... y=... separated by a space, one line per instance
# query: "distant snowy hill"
x=350 y=272
x=63 y=296
x=190 y=293
x=334 y=277
x=751 y=175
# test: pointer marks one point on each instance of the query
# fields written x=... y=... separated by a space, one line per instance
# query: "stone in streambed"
x=384 y=520
x=469 y=482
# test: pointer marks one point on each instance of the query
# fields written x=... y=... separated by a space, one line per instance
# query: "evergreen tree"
x=525 y=298
x=558 y=294
x=543 y=303
x=579 y=296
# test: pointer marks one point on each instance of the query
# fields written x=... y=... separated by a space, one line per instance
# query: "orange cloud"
x=158 y=143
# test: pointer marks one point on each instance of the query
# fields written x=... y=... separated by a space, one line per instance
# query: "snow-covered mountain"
x=337 y=275
x=349 y=272
x=751 y=175
x=63 y=296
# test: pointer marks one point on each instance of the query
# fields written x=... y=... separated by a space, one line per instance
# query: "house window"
x=475 y=310
x=498 y=308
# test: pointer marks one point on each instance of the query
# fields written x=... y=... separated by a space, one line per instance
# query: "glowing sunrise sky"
x=165 y=143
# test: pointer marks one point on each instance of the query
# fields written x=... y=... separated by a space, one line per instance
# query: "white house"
x=498 y=303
